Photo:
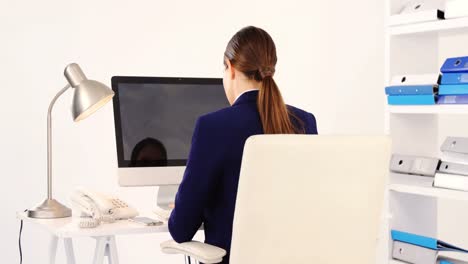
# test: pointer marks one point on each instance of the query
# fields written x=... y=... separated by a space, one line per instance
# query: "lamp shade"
x=88 y=95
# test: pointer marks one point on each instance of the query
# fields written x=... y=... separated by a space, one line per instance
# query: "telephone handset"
x=96 y=208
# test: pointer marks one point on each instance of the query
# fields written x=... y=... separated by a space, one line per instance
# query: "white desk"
x=67 y=229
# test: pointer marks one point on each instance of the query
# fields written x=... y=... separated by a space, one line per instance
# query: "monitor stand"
x=166 y=196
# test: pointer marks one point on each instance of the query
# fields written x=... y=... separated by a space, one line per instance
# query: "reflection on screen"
x=157 y=120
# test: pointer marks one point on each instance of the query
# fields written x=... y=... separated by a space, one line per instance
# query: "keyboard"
x=162 y=214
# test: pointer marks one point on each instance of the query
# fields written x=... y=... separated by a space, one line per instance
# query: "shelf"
x=429 y=109
x=432 y=26
x=454 y=256
x=419 y=185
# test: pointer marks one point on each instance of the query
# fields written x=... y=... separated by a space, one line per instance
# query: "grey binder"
x=414 y=165
x=455 y=144
x=414 y=254
x=453 y=168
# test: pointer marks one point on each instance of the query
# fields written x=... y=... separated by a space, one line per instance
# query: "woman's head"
x=251 y=56
x=251 y=53
x=148 y=152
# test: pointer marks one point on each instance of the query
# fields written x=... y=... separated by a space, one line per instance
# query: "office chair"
x=304 y=199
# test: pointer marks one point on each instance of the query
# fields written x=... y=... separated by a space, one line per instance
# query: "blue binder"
x=426 y=242
x=411 y=99
x=443 y=261
x=453 y=99
x=459 y=64
x=453 y=89
x=455 y=78
x=410 y=89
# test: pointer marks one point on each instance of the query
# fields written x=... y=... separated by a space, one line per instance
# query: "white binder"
x=418 y=11
x=451 y=181
x=456 y=8
x=415 y=79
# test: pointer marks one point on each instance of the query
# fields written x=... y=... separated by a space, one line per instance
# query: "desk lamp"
x=88 y=96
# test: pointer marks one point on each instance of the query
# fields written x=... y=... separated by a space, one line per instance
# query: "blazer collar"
x=248 y=97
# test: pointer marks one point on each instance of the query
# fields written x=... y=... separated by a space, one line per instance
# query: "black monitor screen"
x=155 y=117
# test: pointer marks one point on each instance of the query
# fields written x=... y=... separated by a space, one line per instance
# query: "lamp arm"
x=49 y=141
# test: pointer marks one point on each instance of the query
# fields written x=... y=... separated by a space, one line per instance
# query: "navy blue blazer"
x=208 y=190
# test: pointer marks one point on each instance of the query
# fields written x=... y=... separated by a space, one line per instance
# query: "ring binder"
x=457 y=64
x=414 y=165
x=418 y=11
x=455 y=144
x=451 y=181
x=453 y=168
x=413 y=254
x=453 y=89
x=422 y=99
x=453 y=99
x=454 y=78
x=416 y=79
x=411 y=89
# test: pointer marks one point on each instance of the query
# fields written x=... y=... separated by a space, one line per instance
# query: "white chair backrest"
x=310 y=199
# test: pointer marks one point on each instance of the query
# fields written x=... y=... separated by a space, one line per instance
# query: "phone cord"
x=19 y=239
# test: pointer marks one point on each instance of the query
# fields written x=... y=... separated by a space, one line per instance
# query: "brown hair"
x=253 y=52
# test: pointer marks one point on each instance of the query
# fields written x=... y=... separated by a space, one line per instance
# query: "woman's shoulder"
x=231 y=114
x=218 y=120
x=299 y=112
x=307 y=118
x=218 y=115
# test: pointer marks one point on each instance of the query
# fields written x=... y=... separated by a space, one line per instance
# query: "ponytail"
x=253 y=52
x=275 y=117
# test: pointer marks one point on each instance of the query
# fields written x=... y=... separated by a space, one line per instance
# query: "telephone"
x=96 y=208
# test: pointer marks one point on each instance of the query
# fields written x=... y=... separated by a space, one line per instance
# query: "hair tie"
x=266 y=72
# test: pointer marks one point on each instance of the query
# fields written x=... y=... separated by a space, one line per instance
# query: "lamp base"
x=50 y=208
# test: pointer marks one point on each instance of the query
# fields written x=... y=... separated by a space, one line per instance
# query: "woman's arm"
x=197 y=184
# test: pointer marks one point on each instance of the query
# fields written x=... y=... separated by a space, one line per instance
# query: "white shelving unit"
x=454 y=257
x=419 y=185
x=413 y=205
x=429 y=109
x=457 y=24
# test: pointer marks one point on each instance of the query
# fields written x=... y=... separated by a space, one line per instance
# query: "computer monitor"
x=154 y=122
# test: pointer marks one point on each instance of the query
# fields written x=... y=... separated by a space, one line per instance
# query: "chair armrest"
x=199 y=251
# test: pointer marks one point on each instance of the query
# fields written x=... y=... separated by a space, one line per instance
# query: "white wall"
x=330 y=63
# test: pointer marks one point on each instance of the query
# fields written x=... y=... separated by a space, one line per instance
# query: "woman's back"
x=208 y=191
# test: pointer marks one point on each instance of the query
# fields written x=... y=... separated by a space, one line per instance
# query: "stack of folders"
x=454 y=83
x=418 y=249
x=453 y=171
x=413 y=89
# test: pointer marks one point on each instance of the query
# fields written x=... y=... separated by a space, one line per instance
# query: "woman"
x=208 y=190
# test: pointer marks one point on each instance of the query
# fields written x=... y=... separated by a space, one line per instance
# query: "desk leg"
x=100 y=250
x=69 y=250
x=111 y=250
x=53 y=249
x=106 y=246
